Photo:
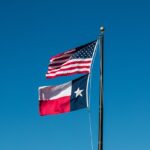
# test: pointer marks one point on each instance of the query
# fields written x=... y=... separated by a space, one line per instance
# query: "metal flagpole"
x=100 y=134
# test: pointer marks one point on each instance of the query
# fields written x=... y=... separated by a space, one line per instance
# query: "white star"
x=78 y=92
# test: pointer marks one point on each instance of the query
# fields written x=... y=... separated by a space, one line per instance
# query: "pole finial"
x=102 y=29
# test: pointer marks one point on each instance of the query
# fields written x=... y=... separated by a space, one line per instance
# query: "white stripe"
x=78 y=60
x=67 y=72
x=70 y=66
x=55 y=92
x=41 y=87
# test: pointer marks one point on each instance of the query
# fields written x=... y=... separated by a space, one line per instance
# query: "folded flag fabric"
x=63 y=98
x=77 y=60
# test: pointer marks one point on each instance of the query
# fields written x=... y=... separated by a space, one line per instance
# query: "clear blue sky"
x=32 y=31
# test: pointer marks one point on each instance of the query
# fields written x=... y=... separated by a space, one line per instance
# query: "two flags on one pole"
x=64 y=98
x=77 y=60
x=72 y=95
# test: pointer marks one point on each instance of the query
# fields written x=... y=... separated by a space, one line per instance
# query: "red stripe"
x=69 y=63
x=71 y=68
x=67 y=74
x=57 y=106
x=69 y=52
x=63 y=58
x=58 y=55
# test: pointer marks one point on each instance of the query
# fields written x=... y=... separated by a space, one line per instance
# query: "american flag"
x=71 y=62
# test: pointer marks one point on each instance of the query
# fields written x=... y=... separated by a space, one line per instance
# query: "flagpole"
x=101 y=99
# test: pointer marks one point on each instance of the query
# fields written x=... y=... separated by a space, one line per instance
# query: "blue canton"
x=85 y=51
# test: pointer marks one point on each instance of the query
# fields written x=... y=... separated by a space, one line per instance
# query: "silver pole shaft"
x=100 y=134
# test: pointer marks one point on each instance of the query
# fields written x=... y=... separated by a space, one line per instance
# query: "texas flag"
x=64 y=98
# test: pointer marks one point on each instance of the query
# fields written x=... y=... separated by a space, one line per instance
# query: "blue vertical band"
x=78 y=93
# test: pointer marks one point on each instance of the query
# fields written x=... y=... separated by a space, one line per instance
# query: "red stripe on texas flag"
x=56 y=106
